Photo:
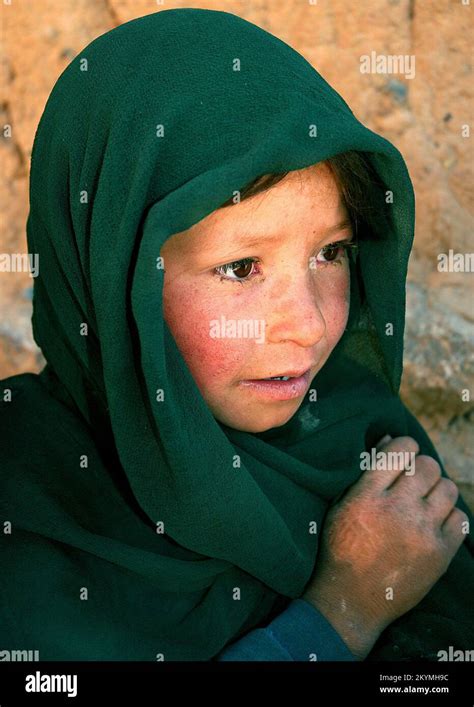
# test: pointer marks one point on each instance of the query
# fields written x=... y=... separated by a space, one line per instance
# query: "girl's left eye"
x=330 y=251
x=243 y=270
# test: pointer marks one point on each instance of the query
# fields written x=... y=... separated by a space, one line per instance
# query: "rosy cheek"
x=336 y=304
x=210 y=360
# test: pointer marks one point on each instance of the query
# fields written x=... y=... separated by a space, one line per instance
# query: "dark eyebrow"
x=257 y=240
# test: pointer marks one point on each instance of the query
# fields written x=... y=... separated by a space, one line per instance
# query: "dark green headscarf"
x=147 y=131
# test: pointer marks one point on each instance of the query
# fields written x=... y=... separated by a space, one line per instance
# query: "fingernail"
x=384 y=440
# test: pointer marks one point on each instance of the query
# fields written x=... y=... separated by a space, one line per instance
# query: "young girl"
x=210 y=215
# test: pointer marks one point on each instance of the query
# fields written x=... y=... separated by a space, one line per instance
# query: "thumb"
x=383 y=441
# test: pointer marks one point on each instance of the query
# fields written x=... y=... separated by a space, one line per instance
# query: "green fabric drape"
x=91 y=461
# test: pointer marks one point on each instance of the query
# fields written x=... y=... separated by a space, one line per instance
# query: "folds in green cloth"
x=91 y=462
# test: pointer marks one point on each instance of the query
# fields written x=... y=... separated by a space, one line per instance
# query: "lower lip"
x=280 y=390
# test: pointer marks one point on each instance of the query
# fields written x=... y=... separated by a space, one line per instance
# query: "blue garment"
x=300 y=632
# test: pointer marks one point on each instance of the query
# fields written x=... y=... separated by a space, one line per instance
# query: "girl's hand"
x=384 y=545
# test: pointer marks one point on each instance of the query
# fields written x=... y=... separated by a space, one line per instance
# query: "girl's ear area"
x=175 y=244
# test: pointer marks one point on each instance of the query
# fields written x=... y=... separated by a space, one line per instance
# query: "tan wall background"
x=424 y=117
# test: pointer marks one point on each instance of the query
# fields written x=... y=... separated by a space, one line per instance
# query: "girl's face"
x=253 y=291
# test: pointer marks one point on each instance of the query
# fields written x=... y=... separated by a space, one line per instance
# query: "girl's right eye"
x=243 y=270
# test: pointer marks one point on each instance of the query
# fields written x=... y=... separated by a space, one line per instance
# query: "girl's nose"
x=295 y=316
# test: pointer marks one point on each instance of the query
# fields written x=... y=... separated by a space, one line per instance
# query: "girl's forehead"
x=315 y=185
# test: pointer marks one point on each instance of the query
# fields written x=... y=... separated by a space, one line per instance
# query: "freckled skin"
x=305 y=310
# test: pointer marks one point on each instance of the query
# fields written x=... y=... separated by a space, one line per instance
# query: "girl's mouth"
x=280 y=387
